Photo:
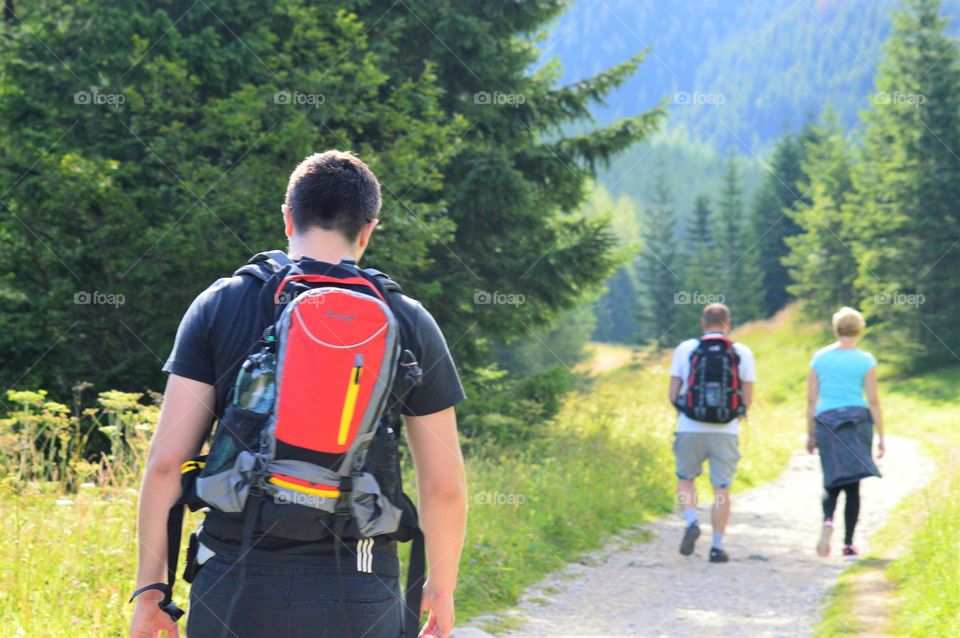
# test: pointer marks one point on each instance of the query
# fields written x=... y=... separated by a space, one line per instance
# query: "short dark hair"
x=334 y=191
x=716 y=314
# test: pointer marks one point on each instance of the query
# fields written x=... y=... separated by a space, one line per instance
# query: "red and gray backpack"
x=713 y=393
x=307 y=447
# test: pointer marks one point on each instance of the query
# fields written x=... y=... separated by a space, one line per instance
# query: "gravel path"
x=772 y=586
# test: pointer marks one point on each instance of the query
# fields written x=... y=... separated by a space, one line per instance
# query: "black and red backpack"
x=308 y=446
x=713 y=393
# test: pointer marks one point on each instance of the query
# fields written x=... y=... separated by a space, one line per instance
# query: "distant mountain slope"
x=735 y=72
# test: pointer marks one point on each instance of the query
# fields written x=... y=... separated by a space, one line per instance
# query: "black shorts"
x=286 y=600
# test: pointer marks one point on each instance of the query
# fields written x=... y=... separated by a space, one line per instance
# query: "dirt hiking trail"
x=772 y=586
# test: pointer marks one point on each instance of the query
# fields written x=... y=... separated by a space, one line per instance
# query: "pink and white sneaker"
x=850 y=552
x=823 y=545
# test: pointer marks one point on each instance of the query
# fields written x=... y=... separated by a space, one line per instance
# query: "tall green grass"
x=67 y=564
x=929 y=573
x=603 y=466
x=43 y=442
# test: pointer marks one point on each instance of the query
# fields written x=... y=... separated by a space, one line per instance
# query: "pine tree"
x=659 y=265
x=617 y=308
x=699 y=235
x=770 y=219
x=736 y=257
x=908 y=186
x=617 y=311
x=701 y=272
x=821 y=262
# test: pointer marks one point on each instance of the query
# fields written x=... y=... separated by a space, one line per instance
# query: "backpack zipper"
x=350 y=402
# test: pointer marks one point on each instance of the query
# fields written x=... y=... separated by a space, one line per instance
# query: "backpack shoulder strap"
x=695 y=350
x=388 y=284
x=264 y=265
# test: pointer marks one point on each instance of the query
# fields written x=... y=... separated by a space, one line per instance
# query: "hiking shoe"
x=851 y=553
x=690 y=536
x=718 y=556
x=823 y=545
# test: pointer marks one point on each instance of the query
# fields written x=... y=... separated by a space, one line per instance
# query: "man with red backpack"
x=711 y=386
x=307 y=363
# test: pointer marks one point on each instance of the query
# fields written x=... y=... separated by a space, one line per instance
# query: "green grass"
x=605 y=467
x=924 y=529
x=67 y=568
x=836 y=619
x=929 y=573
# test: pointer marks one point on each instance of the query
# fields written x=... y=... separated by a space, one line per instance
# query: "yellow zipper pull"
x=350 y=402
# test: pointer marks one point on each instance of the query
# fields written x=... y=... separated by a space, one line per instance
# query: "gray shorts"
x=691 y=449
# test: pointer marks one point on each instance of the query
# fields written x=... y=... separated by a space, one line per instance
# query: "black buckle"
x=166 y=605
x=170 y=608
x=343 y=508
x=413 y=374
x=191 y=567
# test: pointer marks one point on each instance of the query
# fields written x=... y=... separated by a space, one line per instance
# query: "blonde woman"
x=843 y=408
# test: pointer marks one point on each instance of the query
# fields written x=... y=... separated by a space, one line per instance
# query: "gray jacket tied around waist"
x=845 y=440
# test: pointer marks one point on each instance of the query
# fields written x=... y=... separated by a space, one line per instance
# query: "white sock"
x=690 y=515
x=718 y=540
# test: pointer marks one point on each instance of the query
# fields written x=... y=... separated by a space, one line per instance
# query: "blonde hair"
x=714 y=315
x=848 y=322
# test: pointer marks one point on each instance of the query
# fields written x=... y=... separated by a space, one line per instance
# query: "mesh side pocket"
x=238 y=430
x=387 y=470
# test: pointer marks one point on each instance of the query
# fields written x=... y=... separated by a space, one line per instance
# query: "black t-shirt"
x=224 y=324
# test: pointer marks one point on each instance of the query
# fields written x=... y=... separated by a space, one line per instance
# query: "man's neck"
x=323 y=246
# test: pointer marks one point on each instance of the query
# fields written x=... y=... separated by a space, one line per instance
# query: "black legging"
x=851 y=509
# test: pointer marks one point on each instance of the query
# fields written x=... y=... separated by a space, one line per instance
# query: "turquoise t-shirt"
x=840 y=375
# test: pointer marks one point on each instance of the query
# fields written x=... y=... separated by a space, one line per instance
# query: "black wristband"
x=165 y=588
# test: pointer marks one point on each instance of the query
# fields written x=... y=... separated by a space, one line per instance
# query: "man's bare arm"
x=674 y=391
x=184 y=421
x=746 y=392
x=442 y=489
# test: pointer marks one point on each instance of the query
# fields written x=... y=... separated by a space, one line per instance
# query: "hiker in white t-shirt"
x=711 y=385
